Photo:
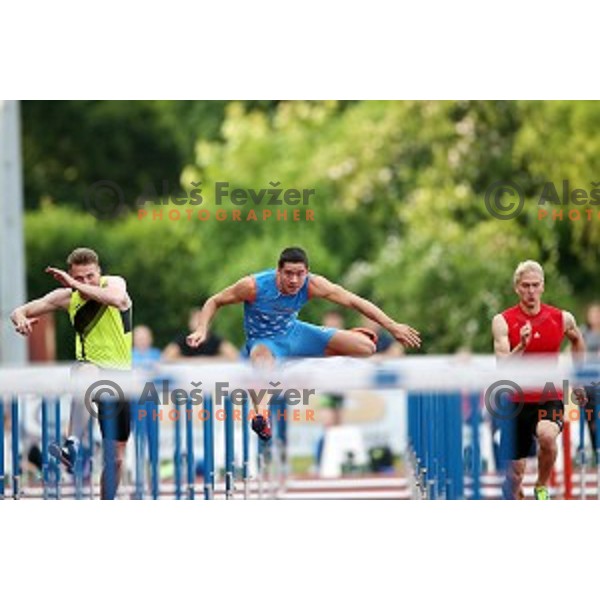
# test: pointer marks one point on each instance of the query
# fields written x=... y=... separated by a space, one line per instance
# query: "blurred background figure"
x=591 y=335
x=145 y=356
x=591 y=331
x=387 y=346
x=144 y=353
x=331 y=405
x=213 y=347
x=333 y=318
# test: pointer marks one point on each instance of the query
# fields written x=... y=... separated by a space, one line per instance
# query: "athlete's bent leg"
x=350 y=343
x=263 y=358
x=513 y=486
x=115 y=426
x=546 y=433
x=79 y=415
x=114 y=457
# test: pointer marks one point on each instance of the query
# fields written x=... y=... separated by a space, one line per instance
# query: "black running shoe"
x=66 y=454
x=262 y=427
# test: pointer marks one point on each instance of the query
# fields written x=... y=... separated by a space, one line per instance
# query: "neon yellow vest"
x=103 y=333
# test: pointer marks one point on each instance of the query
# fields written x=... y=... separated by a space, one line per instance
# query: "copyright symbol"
x=499 y=400
x=110 y=405
x=104 y=199
x=504 y=208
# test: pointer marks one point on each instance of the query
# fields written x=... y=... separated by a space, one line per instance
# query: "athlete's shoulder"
x=548 y=308
x=245 y=289
x=264 y=274
x=510 y=312
x=499 y=323
x=118 y=283
x=318 y=281
x=113 y=279
x=264 y=279
x=321 y=287
x=568 y=320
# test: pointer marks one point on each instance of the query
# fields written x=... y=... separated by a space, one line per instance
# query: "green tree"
x=399 y=212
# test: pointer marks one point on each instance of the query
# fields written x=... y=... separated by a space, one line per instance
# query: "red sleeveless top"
x=547 y=332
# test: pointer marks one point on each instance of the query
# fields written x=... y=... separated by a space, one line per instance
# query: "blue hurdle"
x=597 y=436
x=16 y=462
x=138 y=427
x=145 y=446
x=58 y=440
x=435 y=444
x=177 y=454
x=229 y=449
x=91 y=460
x=109 y=452
x=246 y=447
x=209 y=450
x=581 y=453
x=2 y=472
x=190 y=456
x=45 y=463
x=154 y=449
x=54 y=483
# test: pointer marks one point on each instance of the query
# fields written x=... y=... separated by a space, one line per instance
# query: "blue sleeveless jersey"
x=272 y=314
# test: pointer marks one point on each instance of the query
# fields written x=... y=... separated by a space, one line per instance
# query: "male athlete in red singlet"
x=533 y=328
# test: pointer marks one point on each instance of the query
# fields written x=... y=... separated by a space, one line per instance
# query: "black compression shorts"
x=519 y=433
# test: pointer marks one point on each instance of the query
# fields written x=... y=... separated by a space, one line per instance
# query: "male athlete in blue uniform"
x=272 y=300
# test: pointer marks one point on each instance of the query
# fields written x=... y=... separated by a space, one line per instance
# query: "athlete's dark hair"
x=293 y=255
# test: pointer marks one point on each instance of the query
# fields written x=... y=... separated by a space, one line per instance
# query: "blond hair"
x=82 y=256
x=527 y=266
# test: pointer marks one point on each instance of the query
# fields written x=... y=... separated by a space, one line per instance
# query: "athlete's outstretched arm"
x=320 y=287
x=241 y=291
x=24 y=317
x=113 y=294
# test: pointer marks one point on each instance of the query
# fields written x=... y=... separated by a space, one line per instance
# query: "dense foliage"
x=398 y=202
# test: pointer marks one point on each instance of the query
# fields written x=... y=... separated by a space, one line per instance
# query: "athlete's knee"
x=113 y=466
x=516 y=470
x=547 y=441
x=261 y=354
x=546 y=434
x=114 y=451
x=261 y=351
x=365 y=347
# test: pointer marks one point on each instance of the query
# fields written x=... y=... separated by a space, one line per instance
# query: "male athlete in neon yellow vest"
x=100 y=311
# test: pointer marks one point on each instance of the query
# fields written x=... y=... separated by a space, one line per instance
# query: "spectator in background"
x=144 y=354
x=333 y=318
x=591 y=331
x=213 y=347
x=331 y=405
x=591 y=335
